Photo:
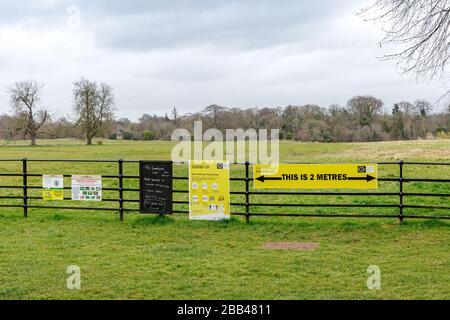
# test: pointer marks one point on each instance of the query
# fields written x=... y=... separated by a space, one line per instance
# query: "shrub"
x=148 y=135
x=443 y=135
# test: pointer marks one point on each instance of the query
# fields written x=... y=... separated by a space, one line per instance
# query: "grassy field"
x=163 y=258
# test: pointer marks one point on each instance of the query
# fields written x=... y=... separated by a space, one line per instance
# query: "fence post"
x=401 y=163
x=25 y=187
x=121 y=189
x=247 y=192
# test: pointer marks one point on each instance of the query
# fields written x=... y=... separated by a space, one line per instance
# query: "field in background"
x=289 y=151
x=151 y=257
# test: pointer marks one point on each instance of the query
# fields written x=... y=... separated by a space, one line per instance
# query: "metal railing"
x=249 y=207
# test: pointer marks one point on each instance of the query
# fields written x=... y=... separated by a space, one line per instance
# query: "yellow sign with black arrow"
x=315 y=176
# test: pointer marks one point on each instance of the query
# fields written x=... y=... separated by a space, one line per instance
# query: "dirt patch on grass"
x=308 y=246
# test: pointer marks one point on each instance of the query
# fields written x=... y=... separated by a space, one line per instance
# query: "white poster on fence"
x=87 y=188
x=52 y=187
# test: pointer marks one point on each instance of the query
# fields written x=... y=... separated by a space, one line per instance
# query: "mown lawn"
x=172 y=258
x=162 y=258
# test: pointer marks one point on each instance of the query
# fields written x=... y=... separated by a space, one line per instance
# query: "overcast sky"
x=189 y=54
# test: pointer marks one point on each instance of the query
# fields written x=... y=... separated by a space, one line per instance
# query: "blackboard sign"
x=155 y=187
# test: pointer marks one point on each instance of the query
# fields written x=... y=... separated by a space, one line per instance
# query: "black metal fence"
x=243 y=196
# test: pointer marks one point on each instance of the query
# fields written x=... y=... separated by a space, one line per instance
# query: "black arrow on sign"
x=263 y=178
x=367 y=178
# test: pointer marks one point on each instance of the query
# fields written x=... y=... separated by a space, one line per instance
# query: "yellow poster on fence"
x=52 y=187
x=316 y=176
x=209 y=190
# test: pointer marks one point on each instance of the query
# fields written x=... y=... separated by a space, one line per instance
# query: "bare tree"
x=421 y=28
x=175 y=114
x=25 y=99
x=423 y=107
x=364 y=109
x=94 y=105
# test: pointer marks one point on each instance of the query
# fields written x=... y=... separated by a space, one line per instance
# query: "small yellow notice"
x=52 y=187
x=209 y=190
x=315 y=176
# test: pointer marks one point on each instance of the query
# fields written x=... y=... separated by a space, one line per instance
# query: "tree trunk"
x=33 y=140
x=89 y=141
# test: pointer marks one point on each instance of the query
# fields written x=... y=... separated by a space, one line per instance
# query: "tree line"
x=363 y=118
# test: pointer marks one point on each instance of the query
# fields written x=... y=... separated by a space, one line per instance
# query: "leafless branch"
x=25 y=99
x=421 y=28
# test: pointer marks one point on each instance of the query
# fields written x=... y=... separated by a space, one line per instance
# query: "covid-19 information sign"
x=209 y=190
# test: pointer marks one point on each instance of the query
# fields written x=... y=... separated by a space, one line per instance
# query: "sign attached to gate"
x=86 y=188
x=315 y=176
x=52 y=187
x=209 y=190
x=156 y=187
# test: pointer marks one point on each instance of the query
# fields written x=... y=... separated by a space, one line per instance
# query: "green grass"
x=148 y=257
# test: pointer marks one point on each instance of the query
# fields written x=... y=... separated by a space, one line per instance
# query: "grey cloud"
x=43 y=12
x=141 y=25
x=191 y=53
x=236 y=25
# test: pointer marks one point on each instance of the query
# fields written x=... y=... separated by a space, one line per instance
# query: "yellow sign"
x=315 y=176
x=53 y=187
x=209 y=190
